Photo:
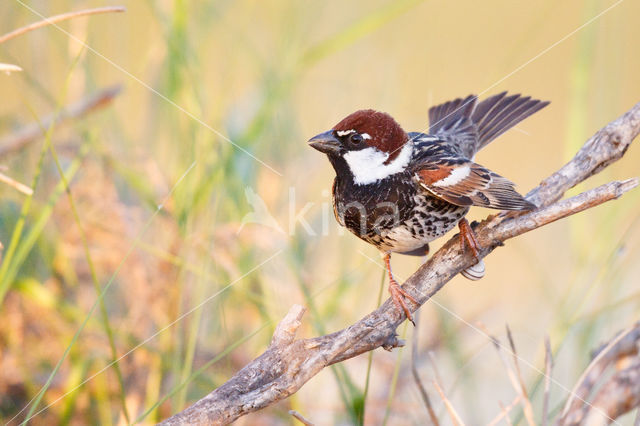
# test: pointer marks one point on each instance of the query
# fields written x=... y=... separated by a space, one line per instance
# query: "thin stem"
x=416 y=377
x=59 y=18
x=96 y=282
x=199 y=371
x=394 y=380
x=370 y=355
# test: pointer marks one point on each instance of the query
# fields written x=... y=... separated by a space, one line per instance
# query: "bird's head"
x=368 y=145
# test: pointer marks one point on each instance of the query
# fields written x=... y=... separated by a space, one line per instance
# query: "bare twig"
x=9 y=68
x=622 y=343
x=58 y=18
x=21 y=187
x=548 y=365
x=23 y=136
x=416 y=375
x=282 y=369
x=301 y=418
x=607 y=146
x=528 y=409
x=504 y=411
x=513 y=377
x=455 y=418
x=619 y=394
x=434 y=366
x=287 y=328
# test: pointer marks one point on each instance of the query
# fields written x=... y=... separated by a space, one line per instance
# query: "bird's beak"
x=326 y=142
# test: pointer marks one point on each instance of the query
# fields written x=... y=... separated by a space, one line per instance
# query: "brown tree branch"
x=289 y=363
x=618 y=396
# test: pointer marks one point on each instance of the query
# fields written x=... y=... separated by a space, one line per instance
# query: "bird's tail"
x=499 y=113
x=473 y=125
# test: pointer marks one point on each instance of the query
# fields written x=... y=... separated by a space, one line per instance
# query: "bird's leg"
x=468 y=239
x=397 y=293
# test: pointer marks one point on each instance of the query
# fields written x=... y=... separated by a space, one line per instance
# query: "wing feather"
x=469 y=125
x=334 y=188
x=470 y=184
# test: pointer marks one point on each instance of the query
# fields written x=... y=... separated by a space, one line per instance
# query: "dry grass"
x=53 y=20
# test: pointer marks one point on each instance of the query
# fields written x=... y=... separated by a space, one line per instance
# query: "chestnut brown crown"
x=384 y=132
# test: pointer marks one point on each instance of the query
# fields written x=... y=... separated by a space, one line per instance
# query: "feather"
x=469 y=184
x=469 y=126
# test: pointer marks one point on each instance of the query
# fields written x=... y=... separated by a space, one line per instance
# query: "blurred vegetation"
x=133 y=246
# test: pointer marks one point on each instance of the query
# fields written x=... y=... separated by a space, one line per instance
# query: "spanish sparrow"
x=399 y=191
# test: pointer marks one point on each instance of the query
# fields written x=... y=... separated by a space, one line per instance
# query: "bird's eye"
x=355 y=138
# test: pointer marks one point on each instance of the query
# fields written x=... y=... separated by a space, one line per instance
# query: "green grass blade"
x=199 y=371
x=29 y=241
x=370 y=356
x=350 y=395
x=5 y=283
x=358 y=30
x=96 y=283
x=144 y=229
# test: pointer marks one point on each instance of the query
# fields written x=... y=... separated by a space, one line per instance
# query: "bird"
x=401 y=190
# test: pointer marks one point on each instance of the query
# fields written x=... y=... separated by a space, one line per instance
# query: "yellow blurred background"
x=208 y=136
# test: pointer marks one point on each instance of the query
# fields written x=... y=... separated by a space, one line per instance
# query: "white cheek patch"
x=367 y=165
x=345 y=132
x=456 y=176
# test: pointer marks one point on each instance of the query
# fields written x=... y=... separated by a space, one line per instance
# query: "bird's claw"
x=398 y=295
x=468 y=239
